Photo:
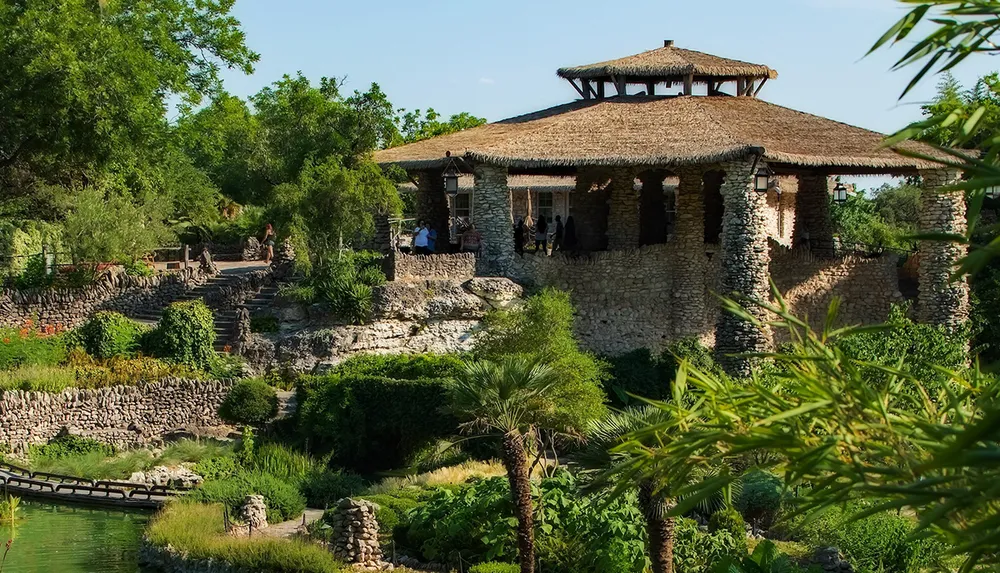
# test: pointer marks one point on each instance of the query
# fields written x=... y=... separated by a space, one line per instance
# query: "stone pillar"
x=744 y=266
x=493 y=219
x=813 y=224
x=689 y=237
x=432 y=205
x=383 y=233
x=590 y=209
x=355 y=534
x=623 y=210
x=652 y=209
x=941 y=300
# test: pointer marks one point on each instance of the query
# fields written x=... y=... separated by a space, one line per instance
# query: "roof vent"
x=668 y=43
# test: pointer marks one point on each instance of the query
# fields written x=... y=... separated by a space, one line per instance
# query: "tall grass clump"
x=197 y=530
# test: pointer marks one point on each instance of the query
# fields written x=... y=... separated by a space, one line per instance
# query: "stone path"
x=288 y=528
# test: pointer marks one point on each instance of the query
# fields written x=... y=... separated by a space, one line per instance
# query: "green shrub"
x=185 y=334
x=138 y=268
x=34 y=275
x=109 y=334
x=323 y=487
x=760 y=497
x=250 y=402
x=495 y=567
x=695 y=353
x=25 y=347
x=197 y=531
x=637 y=373
x=392 y=512
x=217 y=467
x=68 y=446
x=372 y=423
x=353 y=302
x=401 y=366
x=730 y=520
x=264 y=324
x=916 y=348
x=297 y=294
x=697 y=552
x=574 y=532
x=874 y=544
x=283 y=499
x=371 y=276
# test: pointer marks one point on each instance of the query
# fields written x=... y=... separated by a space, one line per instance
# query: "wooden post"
x=689 y=85
x=650 y=88
x=600 y=89
x=187 y=255
x=741 y=86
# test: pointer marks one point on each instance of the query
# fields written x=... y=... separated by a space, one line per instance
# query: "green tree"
x=514 y=397
x=414 y=127
x=106 y=226
x=86 y=83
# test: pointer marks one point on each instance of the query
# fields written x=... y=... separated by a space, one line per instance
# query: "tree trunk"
x=515 y=460
x=659 y=527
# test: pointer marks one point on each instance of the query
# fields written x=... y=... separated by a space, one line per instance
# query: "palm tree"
x=511 y=396
x=598 y=457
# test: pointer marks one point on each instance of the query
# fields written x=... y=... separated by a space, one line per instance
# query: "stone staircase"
x=225 y=319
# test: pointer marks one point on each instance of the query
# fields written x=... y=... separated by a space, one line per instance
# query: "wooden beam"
x=600 y=89
x=650 y=88
x=760 y=87
x=689 y=84
x=619 y=84
x=590 y=88
x=741 y=86
x=578 y=89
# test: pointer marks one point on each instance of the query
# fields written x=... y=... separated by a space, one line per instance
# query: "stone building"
x=676 y=166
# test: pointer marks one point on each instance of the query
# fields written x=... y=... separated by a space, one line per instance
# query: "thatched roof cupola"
x=669 y=66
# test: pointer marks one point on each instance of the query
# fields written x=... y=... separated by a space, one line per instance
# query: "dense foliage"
x=185 y=334
x=885 y=220
x=283 y=499
x=250 y=402
x=109 y=334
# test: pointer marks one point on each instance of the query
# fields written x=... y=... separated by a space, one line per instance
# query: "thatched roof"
x=662 y=131
x=669 y=61
x=542 y=183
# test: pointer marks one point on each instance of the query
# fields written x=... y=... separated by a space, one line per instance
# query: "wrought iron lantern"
x=840 y=193
x=993 y=192
x=762 y=180
x=450 y=176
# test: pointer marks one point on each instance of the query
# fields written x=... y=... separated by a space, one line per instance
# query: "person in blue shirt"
x=432 y=236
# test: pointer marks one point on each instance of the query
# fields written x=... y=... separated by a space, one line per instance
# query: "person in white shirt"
x=420 y=235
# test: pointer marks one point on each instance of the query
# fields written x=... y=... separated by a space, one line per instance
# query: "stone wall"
x=113 y=290
x=867 y=286
x=400 y=266
x=124 y=416
x=629 y=299
x=941 y=300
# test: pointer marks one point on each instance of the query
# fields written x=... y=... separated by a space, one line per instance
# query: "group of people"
x=563 y=235
x=425 y=240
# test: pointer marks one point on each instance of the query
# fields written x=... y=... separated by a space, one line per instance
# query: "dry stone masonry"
x=250 y=517
x=623 y=210
x=813 y=224
x=113 y=290
x=445 y=266
x=493 y=219
x=123 y=416
x=745 y=261
x=355 y=534
x=689 y=283
x=942 y=301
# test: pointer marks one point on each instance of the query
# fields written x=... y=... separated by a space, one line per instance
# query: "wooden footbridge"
x=46 y=486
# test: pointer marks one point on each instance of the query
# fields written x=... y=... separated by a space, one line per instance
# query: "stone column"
x=493 y=219
x=941 y=300
x=623 y=210
x=689 y=237
x=652 y=209
x=813 y=224
x=744 y=266
x=432 y=204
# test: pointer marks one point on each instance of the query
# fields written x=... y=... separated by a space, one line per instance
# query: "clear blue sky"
x=498 y=58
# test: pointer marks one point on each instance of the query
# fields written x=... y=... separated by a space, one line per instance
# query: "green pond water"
x=73 y=539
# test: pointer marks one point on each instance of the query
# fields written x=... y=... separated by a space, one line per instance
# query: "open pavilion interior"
x=672 y=156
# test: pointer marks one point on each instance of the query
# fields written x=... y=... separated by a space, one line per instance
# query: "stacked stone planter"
x=355 y=534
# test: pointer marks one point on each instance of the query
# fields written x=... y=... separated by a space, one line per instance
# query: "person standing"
x=420 y=237
x=268 y=243
x=569 y=235
x=557 y=239
x=472 y=240
x=432 y=236
x=542 y=235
